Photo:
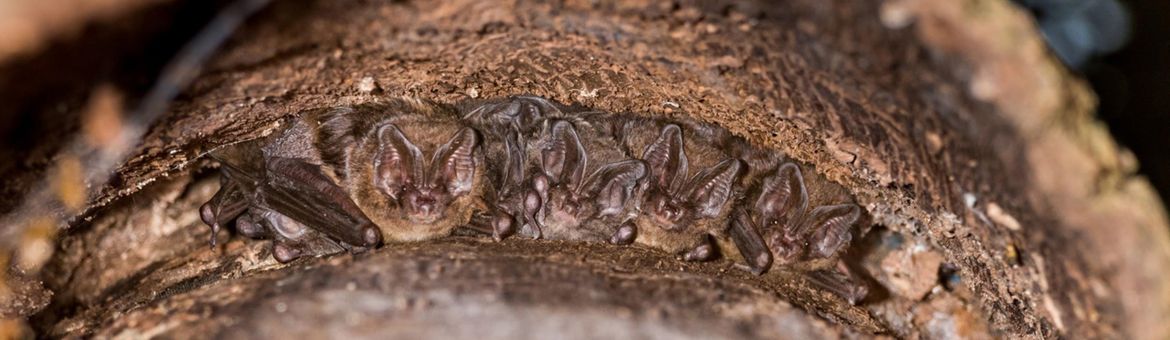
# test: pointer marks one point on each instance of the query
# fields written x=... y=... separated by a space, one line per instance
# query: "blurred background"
x=1123 y=48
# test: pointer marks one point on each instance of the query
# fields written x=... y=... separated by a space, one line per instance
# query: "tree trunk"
x=1017 y=215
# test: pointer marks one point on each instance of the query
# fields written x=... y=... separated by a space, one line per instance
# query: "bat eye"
x=397 y=192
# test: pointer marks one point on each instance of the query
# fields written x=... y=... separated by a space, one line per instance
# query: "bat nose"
x=424 y=203
x=670 y=212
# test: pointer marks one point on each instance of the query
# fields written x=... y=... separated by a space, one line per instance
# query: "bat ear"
x=454 y=163
x=398 y=162
x=831 y=224
x=519 y=112
x=514 y=168
x=563 y=157
x=712 y=188
x=666 y=158
x=783 y=194
x=612 y=185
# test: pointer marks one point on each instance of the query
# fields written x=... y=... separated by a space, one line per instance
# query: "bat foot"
x=499 y=225
x=532 y=206
x=701 y=253
x=207 y=214
x=747 y=268
x=502 y=227
x=284 y=253
x=757 y=266
x=247 y=226
x=625 y=234
x=760 y=264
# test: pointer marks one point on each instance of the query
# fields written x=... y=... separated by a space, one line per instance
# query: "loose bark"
x=978 y=151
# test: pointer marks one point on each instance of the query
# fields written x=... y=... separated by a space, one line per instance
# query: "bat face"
x=682 y=200
x=414 y=169
x=675 y=201
x=794 y=232
x=782 y=200
x=424 y=188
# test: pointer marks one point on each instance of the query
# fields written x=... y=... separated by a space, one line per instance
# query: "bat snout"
x=669 y=215
x=424 y=206
x=784 y=252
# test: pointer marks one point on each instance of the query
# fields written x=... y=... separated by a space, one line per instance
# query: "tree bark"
x=959 y=135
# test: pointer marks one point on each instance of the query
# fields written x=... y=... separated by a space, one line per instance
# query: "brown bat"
x=571 y=199
x=678 y=210
x=508 y=126
x=808 y=239
x=280 y=186
x=403 y=170
x=794 y=231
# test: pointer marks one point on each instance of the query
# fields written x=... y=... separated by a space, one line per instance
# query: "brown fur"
x=601 y=150
x=347 y=138
x=701 y=147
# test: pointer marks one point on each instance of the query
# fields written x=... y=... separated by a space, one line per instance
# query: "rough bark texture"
x=965 y=139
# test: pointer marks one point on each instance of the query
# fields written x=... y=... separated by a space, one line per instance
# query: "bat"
x=571 y=199
x=677 y=210
x=282 y=189
x=508 y=126
x=399 y=171
x=798 y=236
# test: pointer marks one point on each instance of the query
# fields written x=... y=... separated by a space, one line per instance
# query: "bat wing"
x=299 y=190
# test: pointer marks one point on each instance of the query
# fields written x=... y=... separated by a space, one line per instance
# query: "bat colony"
x=351 y=178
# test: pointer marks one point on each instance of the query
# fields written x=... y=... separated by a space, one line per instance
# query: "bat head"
x=424 y=190
x=571 y=197
x=674 y=201
x=791 y=228
x=782 y=201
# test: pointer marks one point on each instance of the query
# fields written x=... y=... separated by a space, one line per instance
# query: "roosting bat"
x=509 y=126
x=281 y=186
x=795 y=233
x=403 y=171
x=679 y=209
x=569 y=198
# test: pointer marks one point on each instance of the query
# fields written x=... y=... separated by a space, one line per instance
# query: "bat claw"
x=207 y=214
x=761 y=263
x=746 y=268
